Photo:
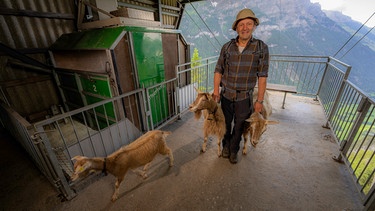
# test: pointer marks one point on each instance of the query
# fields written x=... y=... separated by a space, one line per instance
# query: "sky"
x=359 y=10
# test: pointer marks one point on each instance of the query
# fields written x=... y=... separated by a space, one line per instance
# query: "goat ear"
x=253 y=117
x=272 y=122
x=78 y=157
x=208 y=96
x=196 y=89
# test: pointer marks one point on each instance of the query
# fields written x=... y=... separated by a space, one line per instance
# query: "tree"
x=198 y=74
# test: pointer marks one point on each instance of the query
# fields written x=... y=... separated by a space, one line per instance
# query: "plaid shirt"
x=241 y=70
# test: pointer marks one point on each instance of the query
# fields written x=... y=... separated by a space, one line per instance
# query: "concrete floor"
x=291 y=169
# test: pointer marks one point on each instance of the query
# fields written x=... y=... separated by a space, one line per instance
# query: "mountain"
x=289 y=27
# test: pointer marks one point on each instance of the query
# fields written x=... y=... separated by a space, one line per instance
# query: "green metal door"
x=97 y=88
x=148 y=51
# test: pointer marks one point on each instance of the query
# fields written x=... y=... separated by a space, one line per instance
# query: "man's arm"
x=262 y=84
x=217 y=80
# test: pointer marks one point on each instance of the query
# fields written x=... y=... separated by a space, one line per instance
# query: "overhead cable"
x=205 y=24
x=209 y=40
x=357 y=42
x=354 y=35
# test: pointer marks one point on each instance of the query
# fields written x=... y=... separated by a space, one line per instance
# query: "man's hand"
x=258 y=106
x=216 y=98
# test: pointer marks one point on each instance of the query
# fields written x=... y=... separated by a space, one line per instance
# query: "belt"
x=236 y=95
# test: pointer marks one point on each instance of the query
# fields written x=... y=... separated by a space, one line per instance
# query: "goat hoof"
x=244 y=152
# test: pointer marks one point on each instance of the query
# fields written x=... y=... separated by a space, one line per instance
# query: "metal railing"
x=351 y=117
x=304 y=72
x=95 y=130
x=101 y=128
x=198 y=74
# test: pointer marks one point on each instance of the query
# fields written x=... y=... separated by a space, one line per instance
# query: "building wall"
x=30 y=27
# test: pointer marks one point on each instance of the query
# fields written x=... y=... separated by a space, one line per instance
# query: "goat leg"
x=171 y=159
x=204 y=145
x=219 y=146
x=117 y=188
x=244 y=150
x=144 y=172
x=254 y=143
x=167 y=151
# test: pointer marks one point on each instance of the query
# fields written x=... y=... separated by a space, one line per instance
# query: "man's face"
x=245 y=28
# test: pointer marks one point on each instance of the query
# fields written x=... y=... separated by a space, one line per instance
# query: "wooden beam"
x=98 y=9
x=31 y=13
x=20 y=82
x=151 y=9
x=22 y=57
x=29 y=51
x=23 y=65
x=81 y=14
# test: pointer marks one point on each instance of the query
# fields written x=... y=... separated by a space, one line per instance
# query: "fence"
x=350 y=115
x=101 y=128
x=304 y=72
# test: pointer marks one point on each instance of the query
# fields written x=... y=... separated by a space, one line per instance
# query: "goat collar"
x=215 y=109
x=105 y=167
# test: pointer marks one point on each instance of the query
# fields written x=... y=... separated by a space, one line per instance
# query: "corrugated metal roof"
x=25 y=24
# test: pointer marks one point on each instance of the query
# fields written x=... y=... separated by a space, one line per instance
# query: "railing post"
x=324 y=74
x=149 y=119
x=339 y=93
x=370 y=202
x=178 y=106
x=363 y=108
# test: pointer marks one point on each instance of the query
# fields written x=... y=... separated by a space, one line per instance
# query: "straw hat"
x=245 y=13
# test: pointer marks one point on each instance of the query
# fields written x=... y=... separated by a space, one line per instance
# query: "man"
x=243 y=61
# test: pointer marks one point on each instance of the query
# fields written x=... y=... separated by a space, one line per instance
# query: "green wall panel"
x=148 y=49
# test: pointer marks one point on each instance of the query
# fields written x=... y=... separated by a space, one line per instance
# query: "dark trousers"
x=236 y=112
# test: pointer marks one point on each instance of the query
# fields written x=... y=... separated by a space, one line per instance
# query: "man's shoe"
x=225 y=152
x=233 y=158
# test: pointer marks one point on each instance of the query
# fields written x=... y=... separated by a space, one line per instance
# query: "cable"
x=206 y=25
x=201 y=30
x=316 y=75
x=357 y=42
x=353 y=35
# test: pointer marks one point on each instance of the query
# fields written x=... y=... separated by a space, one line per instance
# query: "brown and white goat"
x=138 y=153
x=257 y=123
x=214 y=121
